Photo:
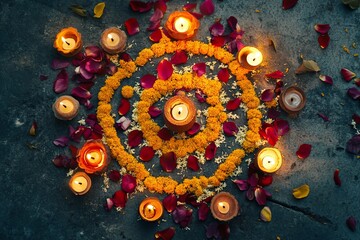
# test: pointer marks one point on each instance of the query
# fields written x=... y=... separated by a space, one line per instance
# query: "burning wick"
x=80 y=183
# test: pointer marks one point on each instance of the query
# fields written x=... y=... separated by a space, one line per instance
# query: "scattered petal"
x=146 y=153
x=123 y=123
x=347 y=74
x=168 y=161
x=99 y=10
x=119 y=198
x=59 y=160
x=275 y=75
x=337 y=177
x=234 y=104
x=351 y=223
x=165 y=134
x=154 y=111
x=271 y=135
x=281 y=126
x=59 y=64
x=210 y=151
x=132 y=26
x=307 y=66
x=287 y=4
x=147 y=81
x=95 y=53
x=260 y=196
x=265 y=180
x=135 y=137
x=243 y=185
x=73 y=150
x=223 y=75
x=197 y=15
x=199 y=68
x=301 y=192
x=278 y=87
x=207 y=7
x=200 y=96
x=128 y=183
x=218 y=41
x=43 y=77
x=179 y=57
x=273 y=113
x=324 y=41
x=61 y=141
x=61 y=82
x=265 y=214
x=80 y=93
x=354 y=93
x=125 y=56
x=114 y=175
x=356 y=118
x=157 y=16
x=232 y=22
x=267 y=95
x=182 y=216
x=164 y=69
x=161 y=5
x=194 y=129
x=109 y=204
x=322 y=28
x=217 y=29
x=189 y=7
x=353 y=145
x=326 y=79
x=324 y=117
x=124 y=106
x=166 y=234
x=303 y=151
x=230 y=128
x=139 y=6
x=170 y=202
x=193 y=163
x=33 y=128
x=203 y=211
x=79 y=10
x=156 y=35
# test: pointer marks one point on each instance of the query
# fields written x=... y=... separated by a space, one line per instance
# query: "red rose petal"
x=322 y=28
x=194 y=129
x=132 y=26
x=265 y=180
x=287 y=4
x=80 y=93
x=147 y=81
x=281 y=126
x=354 y=93
x=200 y=96
x=156 y=36
x=182 y=216
x=218 y=41
x=164 y=69
x=217 y=29
x=73 y=150
x=261 y=195
x=337 y=177
x=199 y=68
x=324 y=41
x=61 y=82
x=210 y=151
x=197 y=15
x=326 y=79
x=119 y=198
x=135 y=137
x=234 y=104
x=128 y=183
x=168 y=161
x=61 y=141
x=351 y=223
x=154 y=111
x=273 y=113
x=124 y=106
x=353 y=145
x=232 y=22
x=95 y=53
x=157 y=16
x=139 y=6
x=146 y=153
x=278 y=87
x=267 y=95
x=166 y=234
x=230 y=128
x=160 y=5
x=58 y=161
x=114 y=175
x=207 y=7
x=179 y=57
x=83 y=72
x=165 y=134
x=275 y=75
x=92 y=66
x=170 y=202
x=189 y=7
x=324 y=117
x=356 y=118
x=109 y=204
x=125 y=56
x=347 y=74
x=193 y=163
x=304 y=151
x=153 y=26
x=223 y=75
x=271 y=135
x=243 y=185
x=203 y=211
x=59 y=64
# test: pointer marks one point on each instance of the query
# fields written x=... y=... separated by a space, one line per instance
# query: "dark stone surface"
x=35 y=200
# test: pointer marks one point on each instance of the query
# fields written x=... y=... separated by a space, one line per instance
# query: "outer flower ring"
x=168 y=185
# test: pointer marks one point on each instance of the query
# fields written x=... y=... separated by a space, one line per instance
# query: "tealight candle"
x=151 y=209
x=66 y=107
x=268 y=160
x=292 y=100
x=80 y=183
x=68 y=42
x=182 y=25
x=113 y=40
x=93 y=157
x=179 y=113
x=224 y=206
x=250 y=57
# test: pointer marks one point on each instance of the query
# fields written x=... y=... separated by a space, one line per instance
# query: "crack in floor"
x=305 y=211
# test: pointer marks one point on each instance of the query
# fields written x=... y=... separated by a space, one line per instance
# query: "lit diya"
x=224 y=206
x=250 y=57
x=65 y=107
x=292 y=100
x=179 y=113
x=151 y=209
x=93 y=157
x=113 y=40
x=68 y=42
x=182 y=25
x=80 y=183
x=268 y=160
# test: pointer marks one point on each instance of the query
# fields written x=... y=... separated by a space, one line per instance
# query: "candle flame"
x=64 y=40
x=77 y=182
x=111 y=37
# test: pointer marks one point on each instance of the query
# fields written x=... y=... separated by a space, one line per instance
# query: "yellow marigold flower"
x=146 y=53
x=254 y=124
x=189 y=46
x=158 y=49
x=254 y=113
x=141 y=61
x=248 y=146
x=272 y=103
x=253 y=103
x=203 y=48
x=245 y=84
x=211 y=50
x=127 y=91
x=213 y=100
x=196 y=47
x=252 y=136
x=105 y=94
x=180 y=189
x=213 y=181
x=181 y=45
x=170 y=47
x=222 y=117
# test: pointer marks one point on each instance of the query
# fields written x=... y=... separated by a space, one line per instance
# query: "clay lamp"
x=68 y=42
x=250 y=57
x=151 y=209
x=179 y=113
x=80 y=183
x=93 y=156
x=268 y=160
x=182 y=25
x=65 y=107
x=224 y=206
x=292 y=100
x=113 y=40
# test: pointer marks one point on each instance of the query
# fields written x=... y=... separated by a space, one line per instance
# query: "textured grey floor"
x=35 y=200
